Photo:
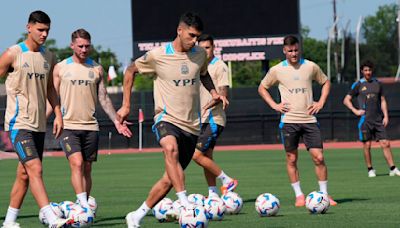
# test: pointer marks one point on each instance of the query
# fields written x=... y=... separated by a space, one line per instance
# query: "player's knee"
x=385 y=143
x=76 y=164
x=88 y=168
x=197 y=156
x=22 y=175
x=169 y=149
x=34 y=169
x=319 y=160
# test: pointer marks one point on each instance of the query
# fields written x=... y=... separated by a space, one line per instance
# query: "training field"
x=121 y=183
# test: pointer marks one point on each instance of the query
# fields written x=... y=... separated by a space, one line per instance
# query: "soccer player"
x=213 y=122
x=178 y=67
x=28 y=67
x=294 y=78
x=79 y=83
x=374 y=117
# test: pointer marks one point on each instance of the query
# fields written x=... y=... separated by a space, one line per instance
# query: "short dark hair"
x=290 y=40
x=191 y=19
x=80 y=33
x=206 y=37
x=367 y=63
x=39 y=17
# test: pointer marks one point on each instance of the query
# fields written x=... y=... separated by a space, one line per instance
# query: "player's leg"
x=365 y=136
x=381 y=136
x=290 y=136
x=313 y=140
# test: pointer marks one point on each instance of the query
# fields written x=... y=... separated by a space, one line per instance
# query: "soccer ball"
x=215 y=208
x=161 y=208
x=317 y=202
x=57 y=211
x=233 y=202
x=196 y=199
x=193 y=216
x=83 y=217
x=267 y=205
x=66 y=207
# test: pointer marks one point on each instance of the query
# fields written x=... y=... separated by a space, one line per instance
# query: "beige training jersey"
x=176 y=84
x=26 y=89
x=219 y=75
x=295 y=87
x=78 y=94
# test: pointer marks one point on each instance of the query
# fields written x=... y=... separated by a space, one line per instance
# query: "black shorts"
x=291 y=133
x=86 y=142
x=208 y=136
x=28 y=144
x=186 y=141
x=368 y=130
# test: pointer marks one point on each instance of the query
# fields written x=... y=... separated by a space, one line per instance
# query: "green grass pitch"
x=121 y=183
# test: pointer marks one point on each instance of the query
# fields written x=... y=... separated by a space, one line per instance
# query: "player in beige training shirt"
x=79 y=81
x=178 y=69
x=213 y=122
x=294 y=78
x=29 y=83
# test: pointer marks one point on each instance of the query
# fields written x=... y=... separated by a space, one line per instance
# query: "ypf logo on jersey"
x=184 y=69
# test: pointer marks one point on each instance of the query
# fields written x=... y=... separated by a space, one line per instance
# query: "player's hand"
x=216 y=99
x=385 y=121
x=282 y=107
x=315 y=108
x=359 y=112
x=123 y=128
x=57 y=126
x=122 y=114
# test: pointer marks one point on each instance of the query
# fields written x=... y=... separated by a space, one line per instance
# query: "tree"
x=380 y=33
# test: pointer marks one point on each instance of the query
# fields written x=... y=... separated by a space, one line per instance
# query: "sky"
x=109 y=22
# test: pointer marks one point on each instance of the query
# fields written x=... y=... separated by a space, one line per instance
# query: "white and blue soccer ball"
x=317 y=202
x=196 y=199
x=267 y=205
x=57 y=211
x=66 y=208
x=215 y=208
x=82 y=217
x=193 y=216
x=233 y=202
x=161 y=208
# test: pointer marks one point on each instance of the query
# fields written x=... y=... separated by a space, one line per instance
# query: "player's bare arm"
x=317 y=106
x=53 y=98
x=347 y=102
x=6 y=61
x=384 y=108
x=129 y=78
x=216 y=98
x=106 y=104
x=266 y=96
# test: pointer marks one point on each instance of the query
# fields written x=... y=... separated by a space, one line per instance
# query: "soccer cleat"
x=395 y=172
x=331 y=201
x=229 y=187
x=372 y=173
x=61 y=223
x=131 y=220
x=10 y=225
x=300 y=201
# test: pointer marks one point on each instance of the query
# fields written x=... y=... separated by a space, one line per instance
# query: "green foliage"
x=246 y=74
x=143 y=83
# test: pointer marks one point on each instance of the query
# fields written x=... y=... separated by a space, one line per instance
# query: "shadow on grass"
x=348 y=200
x=105 y=222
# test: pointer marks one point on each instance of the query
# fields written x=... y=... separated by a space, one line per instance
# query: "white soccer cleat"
x=61 y=223
x=131 y=220
x=372 y=173
x=10 y=225
x=395 y=172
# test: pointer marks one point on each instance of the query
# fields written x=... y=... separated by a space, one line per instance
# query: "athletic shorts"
x=371 y=130
x=86 y=142
x=28 y=144
x=186 y=141
x=209 y=134
x=291 y=133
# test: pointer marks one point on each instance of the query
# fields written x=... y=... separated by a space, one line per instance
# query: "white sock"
x=297 y=189
x=183 y=198
x=142 y=211
x=323 y=186
x=212 y=189
x=12 y=214
x=49 y=214
x=224 y=178
x=82 y=197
